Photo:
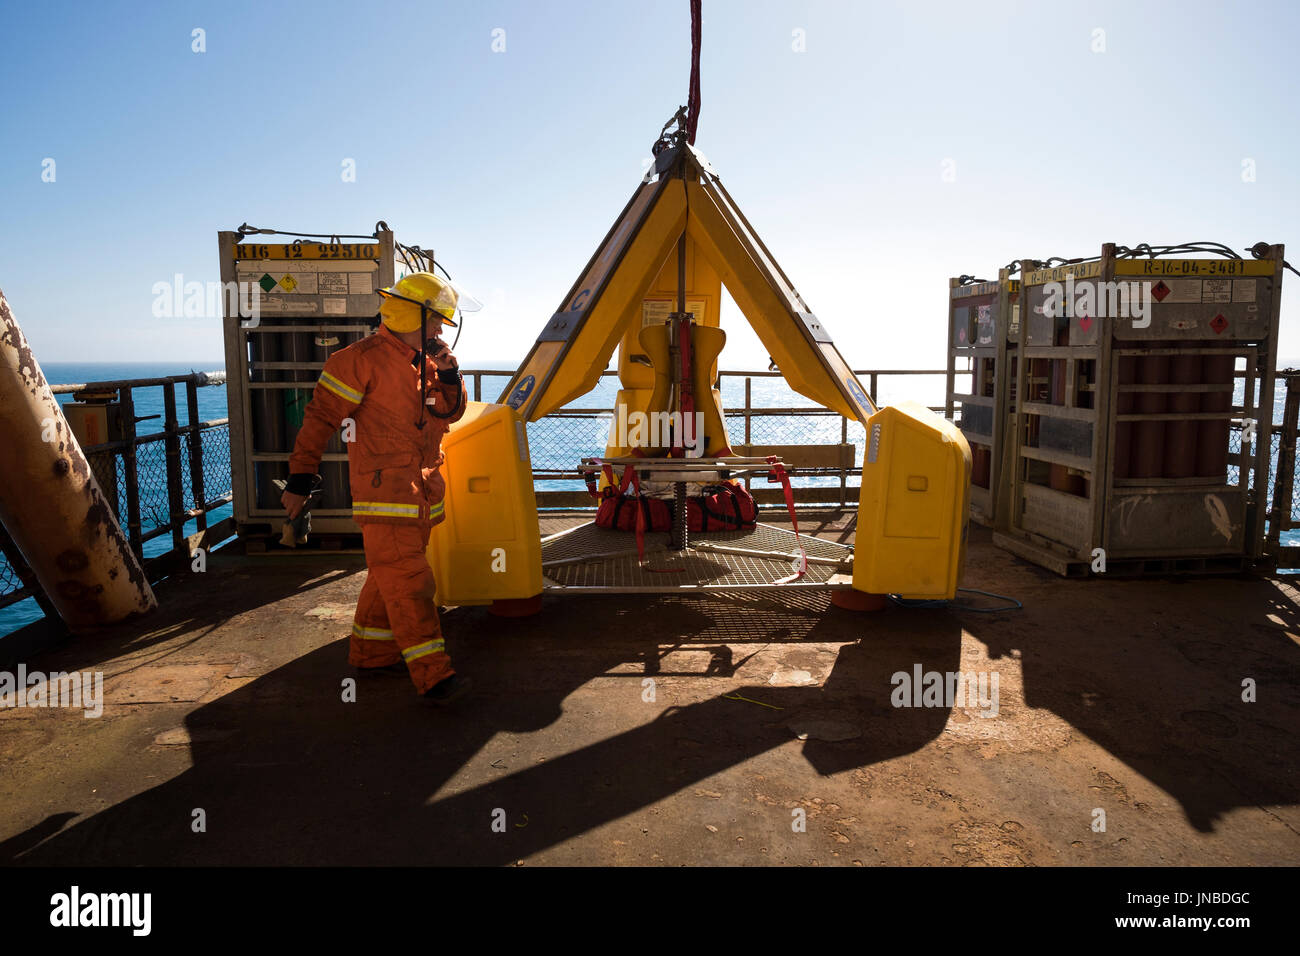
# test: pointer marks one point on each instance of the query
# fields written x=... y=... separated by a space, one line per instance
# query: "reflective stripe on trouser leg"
x=396 y=557
x=422 y=650
x=372 y=643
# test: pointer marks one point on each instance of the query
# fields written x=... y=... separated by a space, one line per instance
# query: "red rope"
x=693 y=98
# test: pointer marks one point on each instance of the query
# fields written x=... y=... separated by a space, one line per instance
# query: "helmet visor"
x=448 y=299
x=465 y=302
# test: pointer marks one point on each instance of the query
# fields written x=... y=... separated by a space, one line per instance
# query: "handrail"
x=201 y=379
x=746 y=411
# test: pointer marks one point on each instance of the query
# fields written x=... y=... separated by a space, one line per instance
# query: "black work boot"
x=448 y=689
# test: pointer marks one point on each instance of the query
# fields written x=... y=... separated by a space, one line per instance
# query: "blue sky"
x=512 y=165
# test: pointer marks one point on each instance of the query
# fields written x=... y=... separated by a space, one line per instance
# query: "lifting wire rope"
x=1258 y=251
x=693 y=96
x=687 y=117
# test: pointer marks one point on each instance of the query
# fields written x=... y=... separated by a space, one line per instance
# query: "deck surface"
x=675 y=729
x=600 y=560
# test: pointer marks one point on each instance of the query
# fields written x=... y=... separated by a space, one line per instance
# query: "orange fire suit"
x=397 y=491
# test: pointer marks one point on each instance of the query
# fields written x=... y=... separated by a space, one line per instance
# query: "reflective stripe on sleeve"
x=340 y=389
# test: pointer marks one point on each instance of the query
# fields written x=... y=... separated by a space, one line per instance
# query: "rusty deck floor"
x=1123 y=696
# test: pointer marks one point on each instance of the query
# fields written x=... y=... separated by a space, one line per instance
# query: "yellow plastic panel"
x=653 y=340
x=715 y=422
x=703 y=298
x=912 y=510
x=489 y=547
x=658 y=398
x=708 y=344
x=631 y=401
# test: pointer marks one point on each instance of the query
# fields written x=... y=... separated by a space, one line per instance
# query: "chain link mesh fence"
x=215 y=449
x=1275 y=443
x=10 y=583
x=1234 y=470
x=557 y=442
x=151 y=480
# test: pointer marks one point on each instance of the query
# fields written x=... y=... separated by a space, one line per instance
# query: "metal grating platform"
x=591 y=559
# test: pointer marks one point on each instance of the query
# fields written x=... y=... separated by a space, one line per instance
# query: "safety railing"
x=559 y=440
x=1283 y=507
x=163 y=486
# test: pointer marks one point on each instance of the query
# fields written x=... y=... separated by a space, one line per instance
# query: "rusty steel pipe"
x=51 y=504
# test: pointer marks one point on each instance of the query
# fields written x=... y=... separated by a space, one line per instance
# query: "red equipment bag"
x=730 y=508
x=618 y=512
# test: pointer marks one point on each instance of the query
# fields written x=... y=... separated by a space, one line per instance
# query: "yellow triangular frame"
x=685 y=196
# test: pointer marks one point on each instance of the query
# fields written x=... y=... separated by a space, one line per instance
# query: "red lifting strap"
x=630 y=477
x=590 y=478
x=778 y=474
x=629 y=473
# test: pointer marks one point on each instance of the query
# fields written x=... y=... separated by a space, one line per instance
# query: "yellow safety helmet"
x=411 y=294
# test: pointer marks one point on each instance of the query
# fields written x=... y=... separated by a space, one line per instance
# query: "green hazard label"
x=295 y=404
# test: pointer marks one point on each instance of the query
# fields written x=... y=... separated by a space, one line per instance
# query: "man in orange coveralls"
x=402 y=388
